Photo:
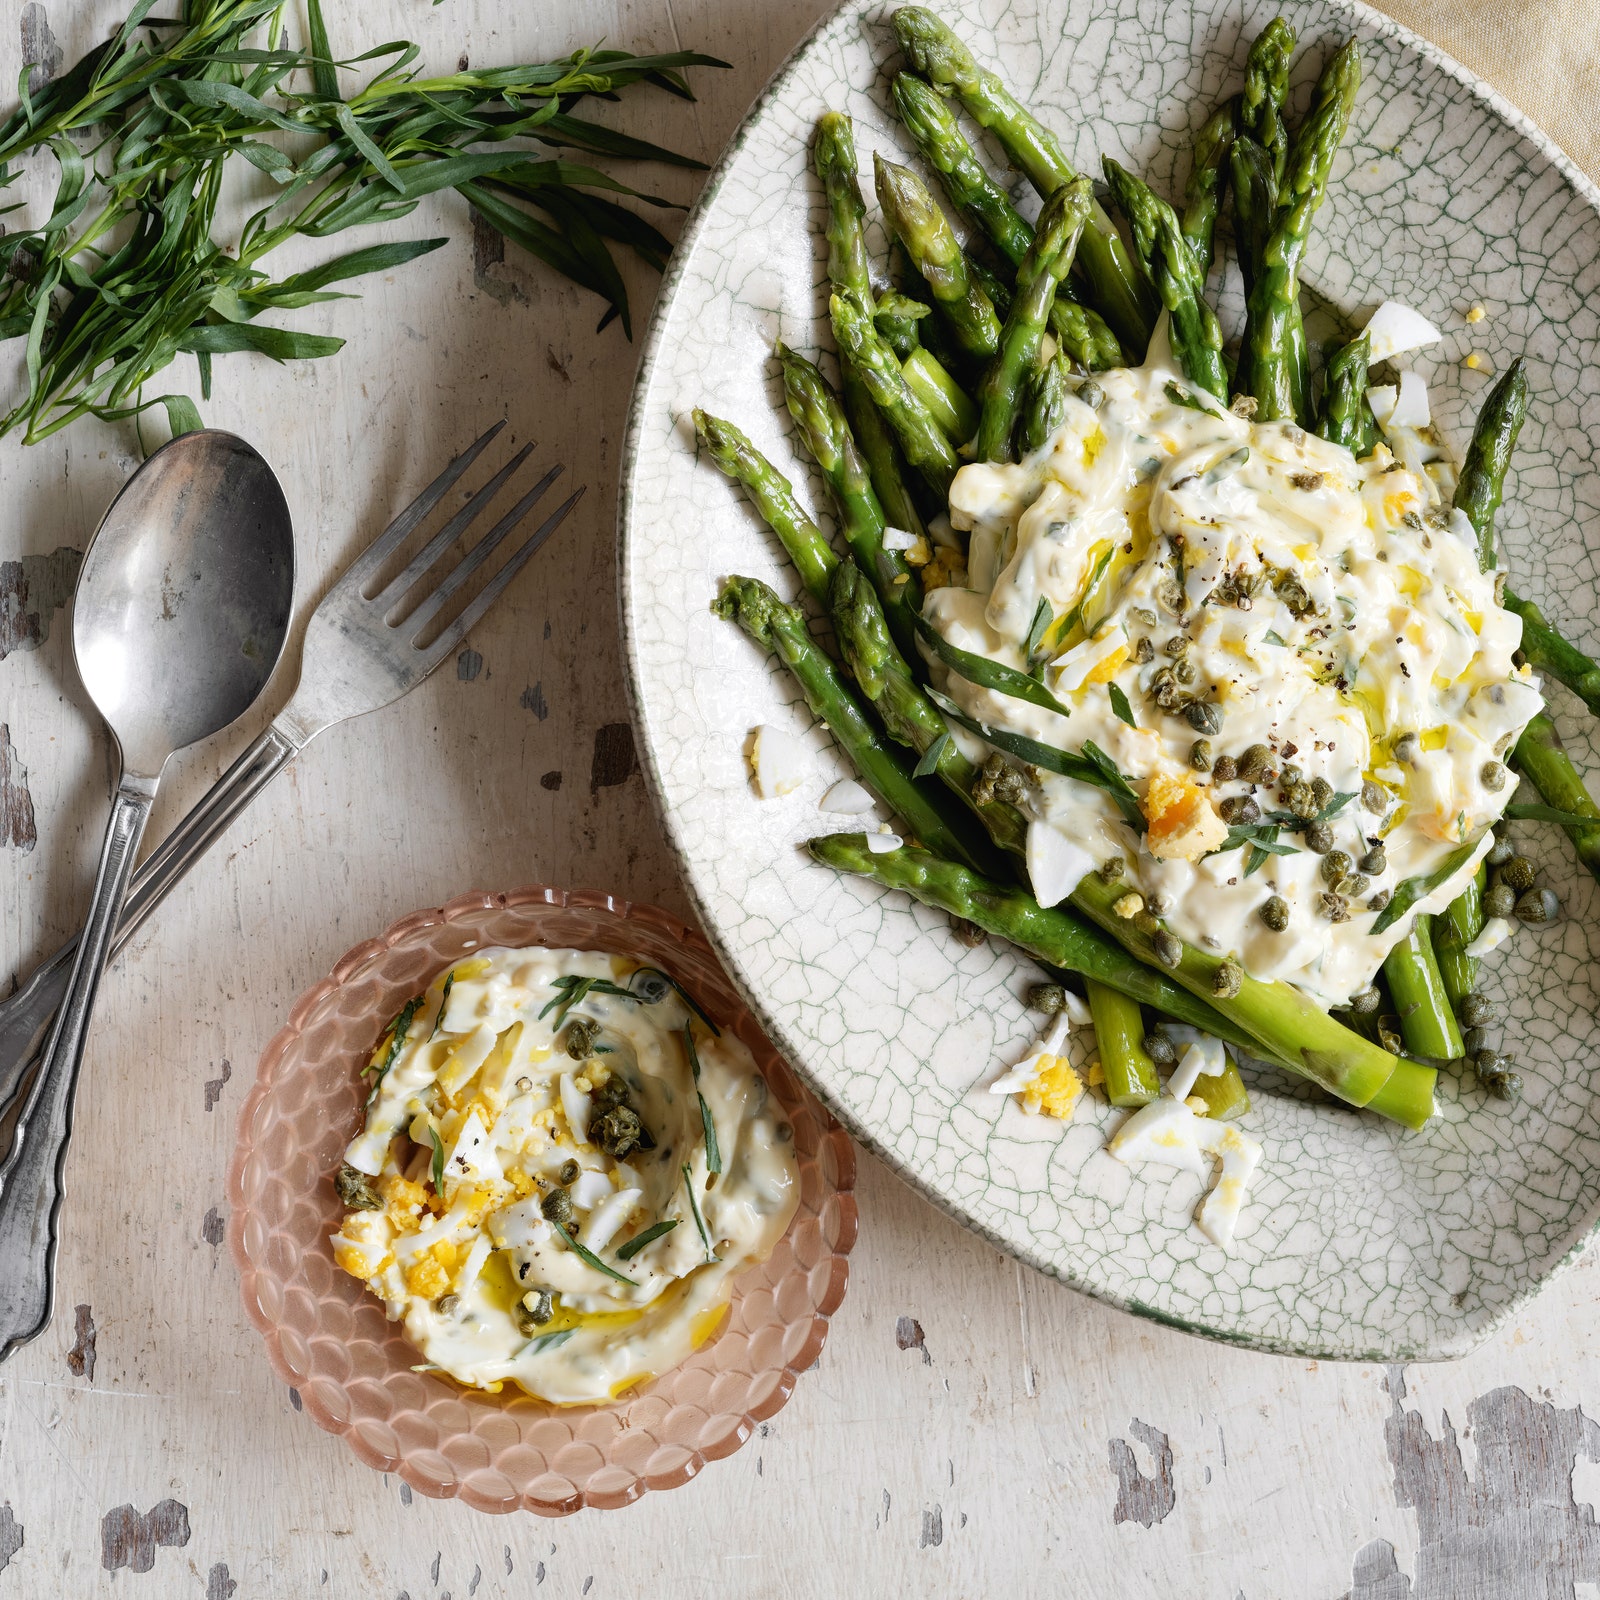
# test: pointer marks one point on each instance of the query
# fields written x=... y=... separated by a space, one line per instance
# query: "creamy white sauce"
x=1398 y=671
x=493 y=1080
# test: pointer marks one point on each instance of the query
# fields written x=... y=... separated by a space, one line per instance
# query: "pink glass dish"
x=329 y=1338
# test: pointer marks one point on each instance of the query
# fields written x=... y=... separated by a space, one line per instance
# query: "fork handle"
x=26 y=1015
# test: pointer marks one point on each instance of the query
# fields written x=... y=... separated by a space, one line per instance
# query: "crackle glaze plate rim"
x=1440 y=1344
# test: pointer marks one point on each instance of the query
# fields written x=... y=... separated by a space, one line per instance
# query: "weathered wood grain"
x=971 y=1427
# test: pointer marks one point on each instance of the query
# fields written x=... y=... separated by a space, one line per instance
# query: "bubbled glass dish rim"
x=327 y=1336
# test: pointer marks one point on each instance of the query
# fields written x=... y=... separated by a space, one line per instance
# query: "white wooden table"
x=971 y=1428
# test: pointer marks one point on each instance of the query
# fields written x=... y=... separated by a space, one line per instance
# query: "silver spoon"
x=182 y=605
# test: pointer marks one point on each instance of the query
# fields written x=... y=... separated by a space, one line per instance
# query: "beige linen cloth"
x=1542 y=55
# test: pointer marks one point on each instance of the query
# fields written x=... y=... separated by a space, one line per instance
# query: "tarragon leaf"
x=637 y=1243
x=1419 y=888
x=931 y=757
x=989 y=674
x=589 y=1258
x=1119 y=704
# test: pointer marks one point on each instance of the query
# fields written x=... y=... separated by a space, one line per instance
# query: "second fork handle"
x=25 y=1017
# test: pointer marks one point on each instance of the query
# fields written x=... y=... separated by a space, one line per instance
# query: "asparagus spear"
x=834 y=158
x=924 y=442
x=1540 y=758
x=1044 y=405
x=1346 y=417
x=820 y=417
x=1400 y=1089
x=953 y=409
x=1281 y=1020
x=1208 y=177
x=1538 y=754
x=1169 y=264
x=1224 y=1092
x=896 y=316
x=1427 y=1022
x=936 y=52
x=1453 y=930
x=1270 y=367
x=1119 y=1032
x=773 y=496
x=922 y=228
x=1081 y=331
x=905 y=710
x=1266 y=87
x=833 y=155
x=782 y=629
x=1483 y=473
x=1047 y=262
x=1549 y=652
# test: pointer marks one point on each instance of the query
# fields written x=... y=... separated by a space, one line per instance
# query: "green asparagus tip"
x=750 y=603
x=835 y=148
x=932 y=48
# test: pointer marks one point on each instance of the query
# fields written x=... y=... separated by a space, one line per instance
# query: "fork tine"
x=476 y=556
x=392 y=537
x=399 y=586
x=473 y=614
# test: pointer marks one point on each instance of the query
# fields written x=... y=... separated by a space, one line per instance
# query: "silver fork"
x=361 y=652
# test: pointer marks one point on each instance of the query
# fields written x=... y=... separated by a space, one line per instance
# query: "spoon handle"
x=25 y=1017
x=31 y=1175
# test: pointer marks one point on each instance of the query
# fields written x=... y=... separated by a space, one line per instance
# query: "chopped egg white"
x=847 y=798
x=1394 y=328
x=1044 y=1080
x=1411 y=404
x=513 y=1140
x=780 y=761
x=1491 y=936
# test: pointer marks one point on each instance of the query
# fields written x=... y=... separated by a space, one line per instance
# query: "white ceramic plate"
x=1358 y=1240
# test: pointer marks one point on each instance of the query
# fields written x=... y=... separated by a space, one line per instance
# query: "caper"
x=1319 y=837
x=1048 y=998
x=1254 y=762
x=1499 y=900
x=1375 y=861
x=1474 y=1039
x=1129 y=905
x=1389 y=1035
x=1200 y=755
x=1143 y=614
x=1166 y=692
x=1485 y=1061
x=1519 y=872
x=1407 y=748
x=1334 y=907
x=1374 y=797
x=1302 y=801
x=1158 y=904
x=1177 y=644
x=1169 y=596
x=1366 y=1002
x=1091 y=394
x=1204 y=716
x=356 y=1190
x=1380 y=900
x=1168 y=948
x=1186 y=672
x=524 y=1320
x=539 y=1306
x=967 y=933
x=1291 y=775
x=1224 y=769
x=1111 y=869
x=570 y=1169
x=1500 y=852
x=617 y=1130
x=581 y=1035
x=1147 y=922
x=1492 y=776
x=1227 y=980
x=1475 y=1009
x=1537 y=907
x=983 y=790
x=1009 y=786
x=1160 y=1048
x=1142 y=650
x=1239 y=808
x=1353 y=887
x=557 y=1208
x=1505 y=1086
x=1275 y=913
x=446 y=1304
x=1335 y=865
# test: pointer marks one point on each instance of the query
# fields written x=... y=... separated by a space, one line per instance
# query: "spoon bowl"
x=182 y=606
x=183 y=600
